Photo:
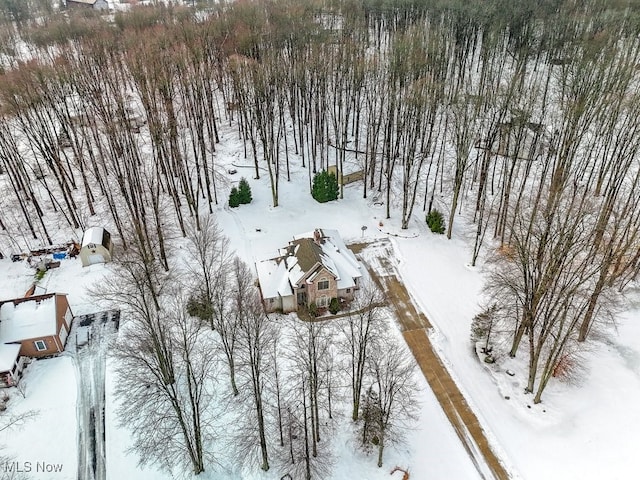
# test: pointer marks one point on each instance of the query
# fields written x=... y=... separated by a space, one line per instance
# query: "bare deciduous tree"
x=393 y=394
x=169 y=416
x=10 y=466
x=165 y=366
x=362 y=329
x=256 y=335
x=311 y=344
x=297 y=458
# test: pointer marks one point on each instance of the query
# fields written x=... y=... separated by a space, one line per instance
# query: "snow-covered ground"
x=44 y=446
x=578 y=431
x=581 y=429
x=584 y=429
x=432 y=449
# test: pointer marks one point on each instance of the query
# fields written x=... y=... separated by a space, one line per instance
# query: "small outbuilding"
x=95 y=4
x=96 y=246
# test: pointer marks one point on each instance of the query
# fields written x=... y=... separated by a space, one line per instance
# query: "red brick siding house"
x=320 y=285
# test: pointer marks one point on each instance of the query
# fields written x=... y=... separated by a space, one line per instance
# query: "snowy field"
x=582 y=430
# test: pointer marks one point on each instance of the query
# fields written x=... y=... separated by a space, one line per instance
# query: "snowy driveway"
x=92 y=334
x=414 y=326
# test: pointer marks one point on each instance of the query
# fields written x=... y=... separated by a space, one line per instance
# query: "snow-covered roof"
x=278 y=275
x=273 y=278
x=336 y=257
x=294 y=269
x=8 y=356
x=92 y=235
x=29 y=319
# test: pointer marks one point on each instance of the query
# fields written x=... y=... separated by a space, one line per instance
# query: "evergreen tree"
x=435 y=221
x=244 y=191
x=325 y=187
x=234 y=198
x=333 y=190
x=334 y=306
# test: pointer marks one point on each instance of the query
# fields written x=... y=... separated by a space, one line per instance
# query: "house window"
x=323 y=301
x=40 y=345
x=271 y=300
x=323 y=284
x=348 y=290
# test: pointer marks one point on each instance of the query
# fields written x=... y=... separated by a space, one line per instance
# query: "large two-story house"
x=314 y=268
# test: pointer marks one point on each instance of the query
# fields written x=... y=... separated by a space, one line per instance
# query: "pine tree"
x=244 y=192
x=435 y=221
x=333 y=190
x=234 y=198
x=334 y=306
x=325 y=187
x=317 y=190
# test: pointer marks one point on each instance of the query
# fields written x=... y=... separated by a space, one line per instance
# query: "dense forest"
x=519 y=121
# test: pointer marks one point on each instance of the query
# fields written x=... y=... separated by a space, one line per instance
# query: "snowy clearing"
x=575 y=425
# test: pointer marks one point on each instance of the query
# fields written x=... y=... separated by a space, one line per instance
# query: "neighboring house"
x=95 y=4
x=39 y=324
x=313 y=268
x=96 y=246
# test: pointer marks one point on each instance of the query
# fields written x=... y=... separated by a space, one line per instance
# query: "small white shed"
x=96 y=246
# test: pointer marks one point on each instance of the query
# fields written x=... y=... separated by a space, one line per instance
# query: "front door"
x=302 y=298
